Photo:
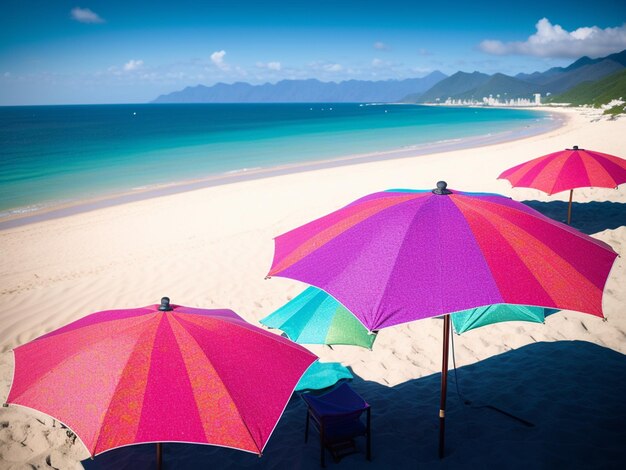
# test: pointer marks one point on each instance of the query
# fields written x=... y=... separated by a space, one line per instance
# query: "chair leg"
x=306 y=429
x=369 y=434
x=322 y=456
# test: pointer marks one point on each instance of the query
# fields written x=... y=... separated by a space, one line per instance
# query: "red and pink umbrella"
x=567 y=170
x=161 y=374
x=401 y=255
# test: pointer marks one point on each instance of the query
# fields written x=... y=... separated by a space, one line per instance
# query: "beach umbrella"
x=322 y=375
x=314 y=317
x=402 y=255
x=482 y=316
x=567 y=170
x=162 y=373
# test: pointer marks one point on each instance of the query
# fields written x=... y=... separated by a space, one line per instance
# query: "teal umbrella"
x=475 y=318
x=314 y=317
x=321 y=375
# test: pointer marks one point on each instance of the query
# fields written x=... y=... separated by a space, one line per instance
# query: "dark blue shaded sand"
x=573 y=392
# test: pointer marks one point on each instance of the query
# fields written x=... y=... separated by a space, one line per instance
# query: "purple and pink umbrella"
x=402 y=255
x=161 y=374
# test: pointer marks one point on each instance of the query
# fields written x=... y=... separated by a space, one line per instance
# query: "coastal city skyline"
x=115 y=52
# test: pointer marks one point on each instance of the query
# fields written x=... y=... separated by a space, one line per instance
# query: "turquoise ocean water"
x=58 y=154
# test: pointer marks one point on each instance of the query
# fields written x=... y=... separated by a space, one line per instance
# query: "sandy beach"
x=212 y=247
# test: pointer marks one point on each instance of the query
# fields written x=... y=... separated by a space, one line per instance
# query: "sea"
x=58 y=155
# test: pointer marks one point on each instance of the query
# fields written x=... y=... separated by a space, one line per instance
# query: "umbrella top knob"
x=575 y=147
x=441 y=188
x=165 y=305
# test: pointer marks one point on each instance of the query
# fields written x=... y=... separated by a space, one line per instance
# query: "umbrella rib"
x=392 y=270
x=614 y=164
x=323 y=236
x=99 y=432
x=241 y=417
x=350 y=311
x=508 y=242
x=284 y=408
x=556 y=264
x=572 y=231
x=439 y=263
x=564 y=170
x=68 y=358
x=319 y=295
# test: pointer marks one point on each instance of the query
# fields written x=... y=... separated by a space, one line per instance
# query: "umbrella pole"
x=444 y=383
x=569 y=207
x=159 y=456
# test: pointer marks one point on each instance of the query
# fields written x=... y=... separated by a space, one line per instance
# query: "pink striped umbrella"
x=161 y=374
x=567 y=170
x=401 y=255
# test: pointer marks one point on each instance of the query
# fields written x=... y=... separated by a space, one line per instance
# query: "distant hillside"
x=454 y=85
x=571 y=78
x=557 y=80
x=461 y=86
x=597 y=92
x=504 y=86
x=312 y=90
x=590 y=66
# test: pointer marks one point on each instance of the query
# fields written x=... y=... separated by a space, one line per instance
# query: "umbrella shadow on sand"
x=571 y=391
x=588 y=217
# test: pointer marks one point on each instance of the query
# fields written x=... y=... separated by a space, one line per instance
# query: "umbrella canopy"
x=482 y=316
x=314 y=317
x=150 y=374
x=567 y=170
x=322 y=375
x=401 y=255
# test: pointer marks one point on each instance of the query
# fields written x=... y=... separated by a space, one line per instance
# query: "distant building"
x=493 y=101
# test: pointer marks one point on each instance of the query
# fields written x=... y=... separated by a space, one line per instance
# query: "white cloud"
x=381 y=46
x=269 y=65
x=85 y=15
x=329 y=69
x=378 y=63
x=422 y=71
x=554 y=41
x=133 y=64
x=388 y=65
x=218 y=59
x=333 y=67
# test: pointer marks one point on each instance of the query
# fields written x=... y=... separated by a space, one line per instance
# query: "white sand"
x=212 y=248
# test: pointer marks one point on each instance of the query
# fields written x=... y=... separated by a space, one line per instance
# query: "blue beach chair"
x=337 y=416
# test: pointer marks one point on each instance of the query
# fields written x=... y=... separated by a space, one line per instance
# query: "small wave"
x=21 y=210
x=243 y=170
x=32 y=208
x=148 y=187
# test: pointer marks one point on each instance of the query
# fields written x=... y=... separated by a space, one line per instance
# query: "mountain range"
x=309 y=91
x=429 y=89
x=554 y=81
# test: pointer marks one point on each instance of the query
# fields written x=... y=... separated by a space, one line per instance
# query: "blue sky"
x=86 y=51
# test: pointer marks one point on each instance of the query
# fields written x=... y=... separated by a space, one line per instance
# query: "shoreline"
x=54 y=210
